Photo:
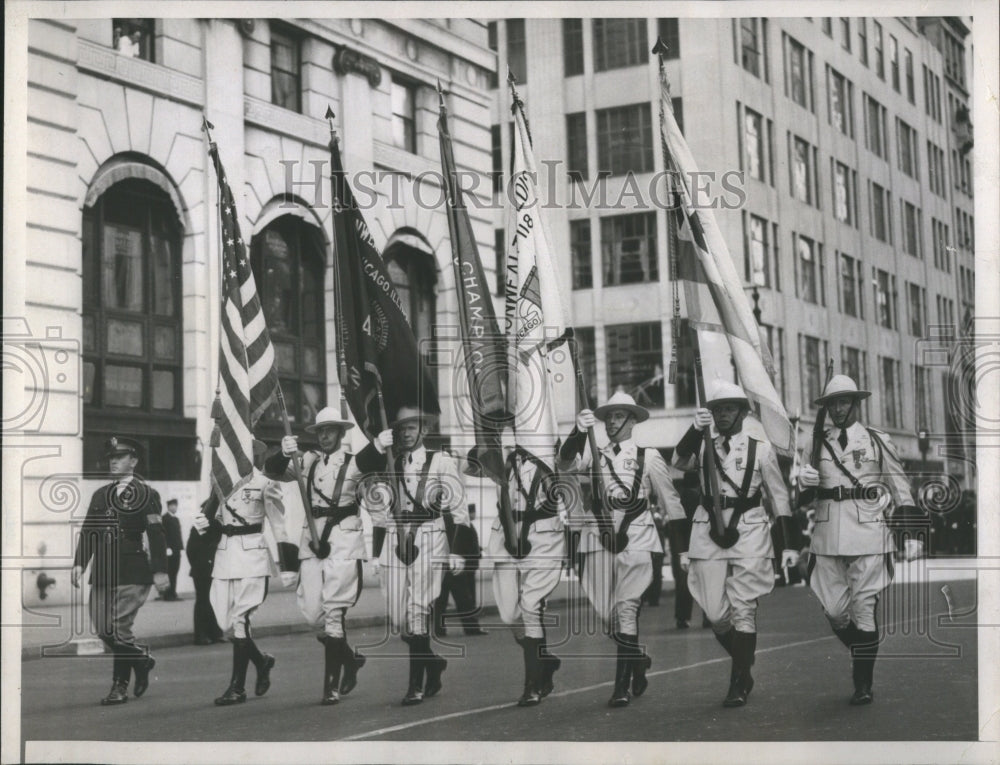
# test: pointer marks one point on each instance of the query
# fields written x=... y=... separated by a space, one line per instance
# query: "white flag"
x=534 y=311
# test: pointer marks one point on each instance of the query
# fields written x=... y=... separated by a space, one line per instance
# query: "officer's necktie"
x=725 y=445
x=842 y=439
x=616 y=449
x=326 y=459
x=409 y=459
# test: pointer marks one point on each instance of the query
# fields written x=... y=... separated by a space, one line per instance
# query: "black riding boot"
x=865 y=651
x=119 y=682
x=142 y=665
x=623 y=673
x=434 y=665
x=353 y=661
x=236 y=692
x=550 y=664
x=640 y=663
x=741 y=682
x=532 y=672
x=333 y=653
x=726 y=640
x=415 y=689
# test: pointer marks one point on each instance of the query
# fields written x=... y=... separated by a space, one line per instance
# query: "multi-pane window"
x=635 y=362
x=885 y=298
x=876 y=139
x=906 y=149
x=670 y=34
x=775 y=338
x=917 y=302
x=845 y=33
x=517 y=50
x=572 y=33
x=628 y=249
x=496 y=152
x=936 y=177
x=881 y=213
x=804 y=178
x=826 y=24
x=576 y=146
x=759 y=255
x=840 y=102
x=854 y=364
x=911 y=94
x=753 y=140
x=812 y=371
x=286 y=82
x=894 y=62
x=892 y=412
x=809 y=271
x=922 y=397
x=134 y=38
x=909 y=221
x=942 y=255
x=624 y=140
x=414 y=275
x=287 y=259
x=845 y=207
x=619 y=43
x=932 y=95
x=404 y=115
x=851 y=286
x=954 y=60
x=584 y=337
x=798 y=74
x=863 y=40
x=579 y=245
x=879 y=50
x=751 y=45
x=500 y=254
x=132 y=302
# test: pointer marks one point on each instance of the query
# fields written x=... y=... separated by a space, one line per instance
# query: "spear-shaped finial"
x=329 y=118
x=660 y=47
x=207 y=127
x=441 y=96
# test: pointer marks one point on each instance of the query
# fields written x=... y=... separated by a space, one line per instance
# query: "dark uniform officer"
x=121 y=514
x=201 y=555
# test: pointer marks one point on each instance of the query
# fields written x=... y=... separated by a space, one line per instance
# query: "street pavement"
x=925 y=684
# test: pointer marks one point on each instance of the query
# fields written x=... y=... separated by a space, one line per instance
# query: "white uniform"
x=328 y=587
x=851 y=543
x=521 y=586
x=242 y=560
x=416 y=547
x=726 y=582
x=614 y=583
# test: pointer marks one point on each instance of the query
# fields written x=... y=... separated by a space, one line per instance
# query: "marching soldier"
x=331 y=583
x=861 y=499
x=526 y=569
x=618 y=566
x=242 y=569
x=120 y=514
x=428 y=504
x=727 y=575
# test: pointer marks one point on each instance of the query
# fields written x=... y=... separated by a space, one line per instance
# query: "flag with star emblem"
x=378 y=347
x=248 y=380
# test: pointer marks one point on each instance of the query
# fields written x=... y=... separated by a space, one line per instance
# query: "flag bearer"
x=861 y=499
x=727 y=581
x=617 y=567
x=330 y=572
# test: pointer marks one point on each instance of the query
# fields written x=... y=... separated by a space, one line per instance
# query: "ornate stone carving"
x=348 y=60
x=141 y=74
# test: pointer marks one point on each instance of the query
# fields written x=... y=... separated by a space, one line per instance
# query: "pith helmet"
x=329 y=416
x=622 y=400
x=841 y=385
x=410 y=413
x=726 y=393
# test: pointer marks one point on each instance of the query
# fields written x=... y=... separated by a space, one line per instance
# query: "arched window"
x=287 y=261
x=414 y=275
x=132 y=330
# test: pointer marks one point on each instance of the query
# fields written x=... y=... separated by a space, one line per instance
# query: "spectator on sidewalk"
x=175 y=545
x=201 y=556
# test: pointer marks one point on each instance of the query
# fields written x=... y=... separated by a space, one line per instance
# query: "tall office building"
x=852 y=228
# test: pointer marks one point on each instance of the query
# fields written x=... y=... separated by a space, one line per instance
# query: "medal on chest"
x=859 y=456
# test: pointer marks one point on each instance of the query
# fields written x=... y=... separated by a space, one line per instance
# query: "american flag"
x=248 y=380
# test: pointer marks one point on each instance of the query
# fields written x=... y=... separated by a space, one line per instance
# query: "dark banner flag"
x=485 y=350
x=379 y=349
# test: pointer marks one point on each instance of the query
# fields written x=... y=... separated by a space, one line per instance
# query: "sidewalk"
x=164 y=624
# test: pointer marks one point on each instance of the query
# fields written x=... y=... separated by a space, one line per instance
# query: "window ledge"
x=274 y=118
x=136 y=72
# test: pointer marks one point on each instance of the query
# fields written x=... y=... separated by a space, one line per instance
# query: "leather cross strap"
x=635 y=507
x=742 y=503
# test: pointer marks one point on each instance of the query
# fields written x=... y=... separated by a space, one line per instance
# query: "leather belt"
x=336 y=513
x=841 y=493
x=239 y=531
x=739 y=503
x=538 y=514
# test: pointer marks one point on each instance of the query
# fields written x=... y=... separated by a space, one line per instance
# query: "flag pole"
x=215 y=440
x=718 y=531
x=337 y=308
